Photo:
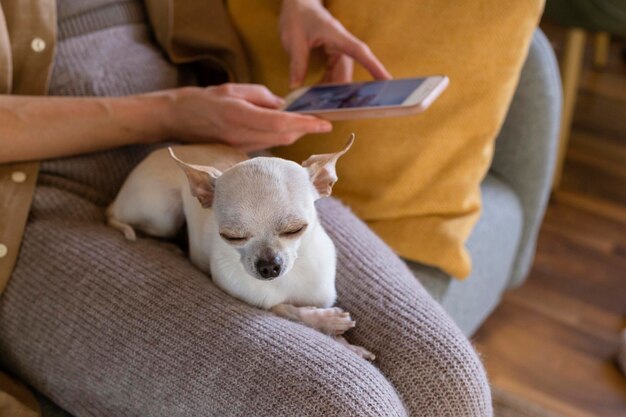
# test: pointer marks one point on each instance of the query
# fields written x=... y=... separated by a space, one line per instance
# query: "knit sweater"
x=105 y=327
x=106 y=48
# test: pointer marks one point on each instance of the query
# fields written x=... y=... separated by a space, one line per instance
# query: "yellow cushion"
x=414 y=180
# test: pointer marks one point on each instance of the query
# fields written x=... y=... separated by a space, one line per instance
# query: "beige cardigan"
x=187 y=31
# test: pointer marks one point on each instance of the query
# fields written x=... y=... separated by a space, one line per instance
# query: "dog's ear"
x=322 y=169
x=201 y=180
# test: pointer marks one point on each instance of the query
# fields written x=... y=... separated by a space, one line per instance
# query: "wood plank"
x=600 y=114
x=551 y=360
x=532 y=394
x=607 y=150
x=593 y=183
x=581 y=273
x=606 y=83
x=598 y=163
x=572 y=313
x=601 y=208
x=576 y=214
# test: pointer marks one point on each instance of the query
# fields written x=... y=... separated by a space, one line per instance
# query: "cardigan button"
x=3 y=250
x=38 y=45
x=18 y=176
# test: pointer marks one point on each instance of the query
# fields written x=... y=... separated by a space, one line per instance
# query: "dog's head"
x=264 y=207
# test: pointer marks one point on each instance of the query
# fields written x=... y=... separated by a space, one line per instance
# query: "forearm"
x=48 y=127
x=244 y=116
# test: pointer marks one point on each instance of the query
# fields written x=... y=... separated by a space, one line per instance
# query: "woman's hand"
x=242 y=115
x=306 y=24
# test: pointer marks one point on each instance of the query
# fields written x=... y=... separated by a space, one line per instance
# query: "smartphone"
x=366 y=100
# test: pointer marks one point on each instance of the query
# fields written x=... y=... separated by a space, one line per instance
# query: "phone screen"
x=365 y=94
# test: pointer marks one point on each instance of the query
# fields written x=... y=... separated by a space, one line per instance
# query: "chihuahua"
x=252 y=225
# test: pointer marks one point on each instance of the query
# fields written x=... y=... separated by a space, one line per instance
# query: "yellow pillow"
x=414 y=180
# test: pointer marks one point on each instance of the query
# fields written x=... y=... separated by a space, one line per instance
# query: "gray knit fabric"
x=106 y=48
x=106 y=327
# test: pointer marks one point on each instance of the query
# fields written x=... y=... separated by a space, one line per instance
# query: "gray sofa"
x=514 y=193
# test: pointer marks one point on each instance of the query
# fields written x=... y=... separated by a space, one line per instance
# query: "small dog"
x=252 y=225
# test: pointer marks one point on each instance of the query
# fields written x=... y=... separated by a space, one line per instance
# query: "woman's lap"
x=108 y=327
x=418 y=347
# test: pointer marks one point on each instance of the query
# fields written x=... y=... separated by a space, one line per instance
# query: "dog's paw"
x=362 y=352
x=359 y=350
x=332 y=320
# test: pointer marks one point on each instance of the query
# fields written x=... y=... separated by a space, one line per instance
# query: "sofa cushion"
x=493 y=246
x=414 y=180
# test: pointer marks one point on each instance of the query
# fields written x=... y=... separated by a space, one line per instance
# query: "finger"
x=259 y=118
x=249 y=140
x=257 y=94
x=299 y=61
x=253 y=140
x=358 y=50
x=339 y=69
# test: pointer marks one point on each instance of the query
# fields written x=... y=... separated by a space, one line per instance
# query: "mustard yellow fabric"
x=414 y=180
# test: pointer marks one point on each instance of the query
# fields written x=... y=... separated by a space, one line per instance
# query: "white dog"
x=252 y=225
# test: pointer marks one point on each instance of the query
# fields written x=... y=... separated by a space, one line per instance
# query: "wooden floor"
x=553 y=340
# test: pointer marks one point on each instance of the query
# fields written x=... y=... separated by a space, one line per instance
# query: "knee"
x=320 y=377
x=448 y=377
x=460 y=382
x=300 y=372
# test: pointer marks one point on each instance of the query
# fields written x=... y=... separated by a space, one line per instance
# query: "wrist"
x=160 y=113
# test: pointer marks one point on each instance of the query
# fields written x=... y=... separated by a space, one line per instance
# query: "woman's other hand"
x=306 y=24
x=245 y=116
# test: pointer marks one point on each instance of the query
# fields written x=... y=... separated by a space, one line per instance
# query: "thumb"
x=299 y=62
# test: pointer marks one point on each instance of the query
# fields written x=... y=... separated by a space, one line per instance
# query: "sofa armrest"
x=527 y=145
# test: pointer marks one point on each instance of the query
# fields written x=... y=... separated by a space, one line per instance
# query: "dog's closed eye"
x=236 y=239
x=294 y=231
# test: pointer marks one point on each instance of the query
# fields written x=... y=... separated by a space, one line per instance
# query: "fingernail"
x=324 y=127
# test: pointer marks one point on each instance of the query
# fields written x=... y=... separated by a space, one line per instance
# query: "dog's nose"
x=269 y=268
